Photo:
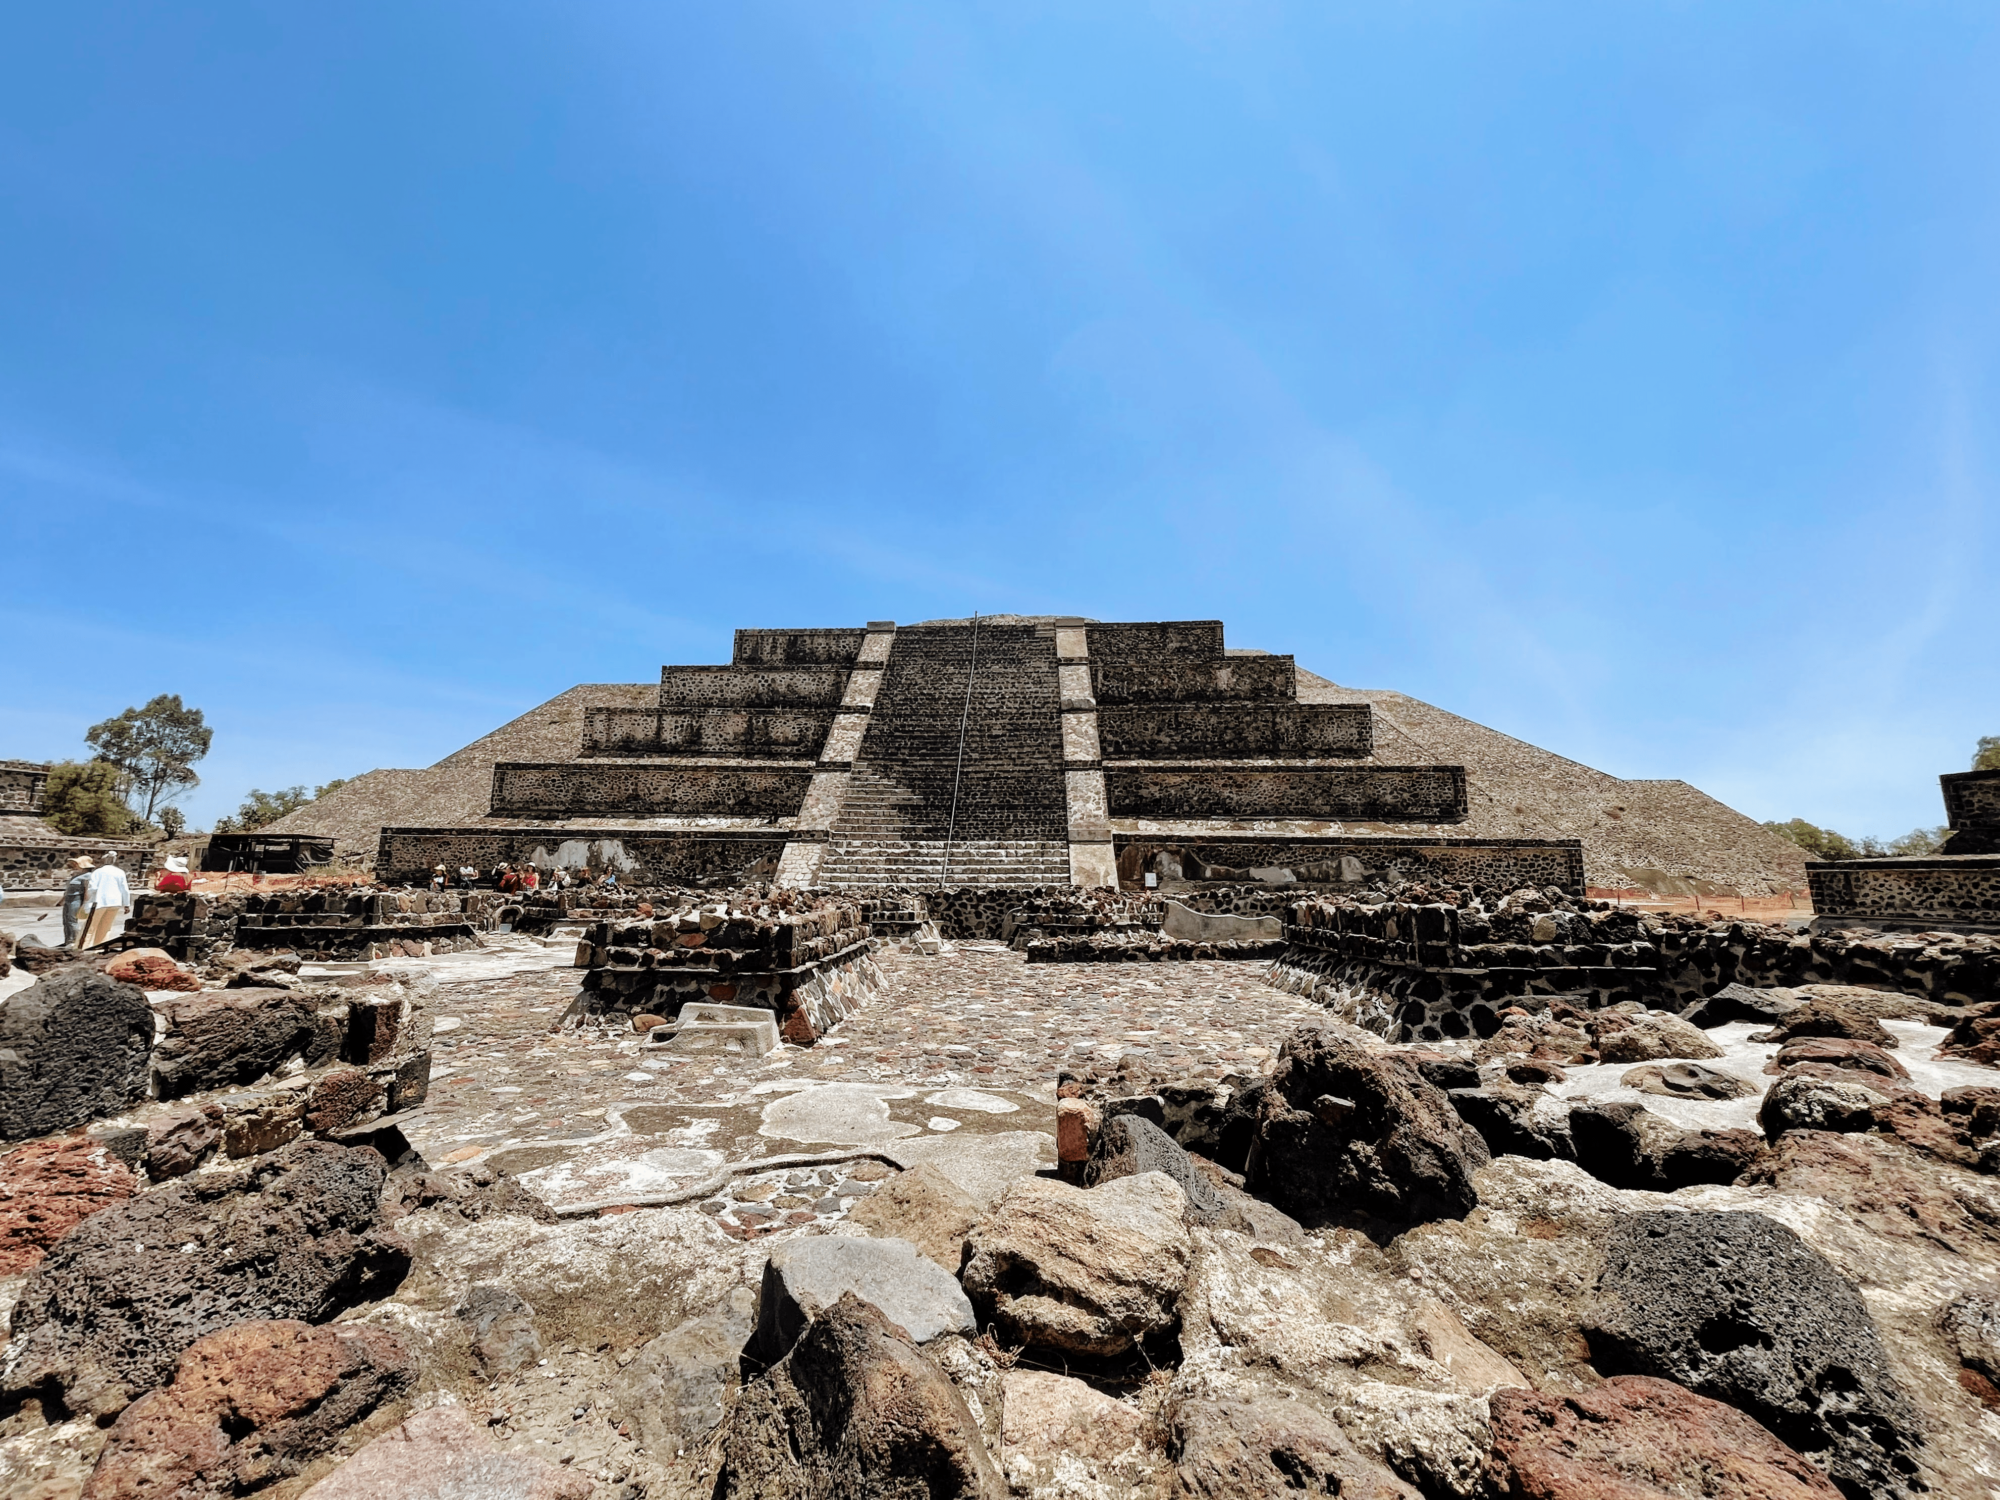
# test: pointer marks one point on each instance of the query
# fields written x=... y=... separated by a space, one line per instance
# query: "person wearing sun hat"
x=174 y=877
x=73 y=893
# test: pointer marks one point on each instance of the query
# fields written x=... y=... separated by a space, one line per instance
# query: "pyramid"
x=1019 y=751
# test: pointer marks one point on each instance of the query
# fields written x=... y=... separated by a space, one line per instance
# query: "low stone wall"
x=609 y=788
x=1370 y=794
x=323 y=923
x=38 y=865
x=1336 y=862
x=1426 y=972
x=810 y=968
x=1951 y=890
x=1223 y=731
x=1131 y=948
x=642 y=857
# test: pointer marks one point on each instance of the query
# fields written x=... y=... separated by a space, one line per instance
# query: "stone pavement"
x=954 y=1062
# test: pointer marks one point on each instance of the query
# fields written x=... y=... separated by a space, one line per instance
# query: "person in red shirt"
x=175 y=876
x=530 y=878
x=509 y=881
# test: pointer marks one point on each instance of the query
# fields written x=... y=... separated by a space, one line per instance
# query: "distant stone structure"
x=1955 y=890
x=1092 y=753
x=34 y=855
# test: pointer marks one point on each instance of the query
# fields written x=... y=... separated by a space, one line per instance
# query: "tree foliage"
x=1820 y=843
x=261 y=809
x=1986 y=755
x=155 y=748
x=1825 y=843
x=87 y=797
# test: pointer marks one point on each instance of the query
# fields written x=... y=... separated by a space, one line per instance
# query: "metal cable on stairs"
x=958 y=772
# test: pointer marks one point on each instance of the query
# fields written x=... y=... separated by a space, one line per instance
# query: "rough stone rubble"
x=1002 y=1219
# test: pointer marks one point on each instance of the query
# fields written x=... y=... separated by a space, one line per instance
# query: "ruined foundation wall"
x=1949 y=891
x=638 y=857
x=1415 y=794
x=1505 y=864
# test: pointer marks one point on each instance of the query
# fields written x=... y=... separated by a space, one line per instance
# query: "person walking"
x=74 y=892
x=107 y=898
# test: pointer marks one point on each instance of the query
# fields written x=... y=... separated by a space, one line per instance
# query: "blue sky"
x=1620 y=376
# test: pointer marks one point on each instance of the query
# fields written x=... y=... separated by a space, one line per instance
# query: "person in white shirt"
x=106 y=900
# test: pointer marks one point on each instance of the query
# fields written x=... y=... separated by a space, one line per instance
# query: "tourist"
x=175 y=876
x=73 y=894
x=438 y=878
x=106 y=899
x=531 y=878
x=509 y=881
x=468 y=876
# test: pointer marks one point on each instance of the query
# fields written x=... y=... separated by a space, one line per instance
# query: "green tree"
x=173 y=822
x=333 y=785
x=1918 y=842
x=1986 y=755
x=156 y=748
x=1820 y=843
x=87 y=797
x=261 y=809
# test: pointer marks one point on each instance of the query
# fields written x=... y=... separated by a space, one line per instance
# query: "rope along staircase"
x=960 y=777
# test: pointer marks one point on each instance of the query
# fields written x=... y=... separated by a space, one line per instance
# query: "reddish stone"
x=1637 y=1438
x=179 y=1142
x=441 y=1450
x=796 y=1028
x=1976 y=1037
x=151 y=969
x=47 y=1188
x=1861 y=1057
x=1073 y=1121
x=343 y=1097
x=722 y=993
x=251 y=1405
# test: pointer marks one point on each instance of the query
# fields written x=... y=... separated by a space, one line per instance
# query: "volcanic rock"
x=1802 y=1101
x=501 y=1328
x=1975 y=1037
x=803 y=1278
x=104 y=1317
x=1736 y=1307
x=73 y=1047
x=250 y=1405
x=924 y=1207
x=151 y=969
x=481 y=1193
x=237 y=1036
x=1061 y=1436
x=1635 y=1437
x=1686 y=1080
x=1084 y=1272
x=676 y=1386
x=1343 y=1131
x=1628 y=1146
x=1652 y=1036
x=1739 y=1002
x=1824 y=1016
x=1256 y=1441
x=440 y=1455
x=1515 y=1120
x=1838 y=1052
x=1129 y=1146
x=854 y=1410
x=181 y=1140
x=47 y=1188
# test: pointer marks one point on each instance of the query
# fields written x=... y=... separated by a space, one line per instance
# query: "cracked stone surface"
x=955 y=1059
